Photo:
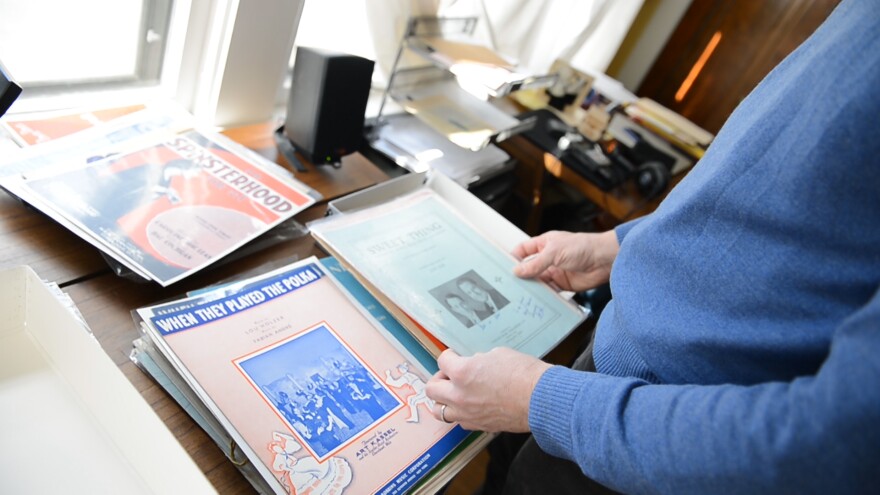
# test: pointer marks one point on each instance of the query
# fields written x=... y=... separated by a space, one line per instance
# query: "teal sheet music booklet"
x=444 y=277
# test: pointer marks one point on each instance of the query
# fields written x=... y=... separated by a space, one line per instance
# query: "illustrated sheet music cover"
x=311 y=390
x=173 y=207
x=434 y=265
x=399 y=335
x=89 y=144
x=42 y=128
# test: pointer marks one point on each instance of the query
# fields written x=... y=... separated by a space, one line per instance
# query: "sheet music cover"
x=399 y=334
x=316 y=396
x=103 y=138
x=42 y=128
x=173 y=207
x=442 y=272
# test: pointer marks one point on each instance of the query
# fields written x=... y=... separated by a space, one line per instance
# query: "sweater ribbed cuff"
x=550 y=409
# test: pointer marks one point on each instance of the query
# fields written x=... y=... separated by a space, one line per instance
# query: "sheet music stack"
x=161 y=198
x=307 y=383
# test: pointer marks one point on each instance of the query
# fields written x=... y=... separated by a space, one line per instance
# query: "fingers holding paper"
x=572 y=261
x=487 y=391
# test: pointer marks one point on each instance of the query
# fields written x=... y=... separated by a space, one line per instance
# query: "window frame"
x=196 y=63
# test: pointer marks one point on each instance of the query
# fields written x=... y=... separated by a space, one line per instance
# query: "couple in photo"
x=477 y=304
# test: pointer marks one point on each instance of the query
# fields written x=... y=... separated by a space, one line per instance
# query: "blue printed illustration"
x=320 y=388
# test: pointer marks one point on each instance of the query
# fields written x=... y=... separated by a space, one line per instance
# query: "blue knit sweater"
x=741 y=350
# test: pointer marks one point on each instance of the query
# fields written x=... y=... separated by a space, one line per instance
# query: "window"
x=53 y=47
x=49 y=51
x=103 y=52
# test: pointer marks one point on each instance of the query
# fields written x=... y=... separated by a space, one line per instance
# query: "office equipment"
x=538 y=164
x=70 y=418
x=568 y=94
x=452 y=88
x=641 y=144
x=652 y=178
x=9 y=90
x=568 y=145
x=627 y=151
x=328 y=98
x=417 y=147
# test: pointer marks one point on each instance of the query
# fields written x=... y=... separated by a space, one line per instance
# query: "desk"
x=105 y=300
x=622 y=203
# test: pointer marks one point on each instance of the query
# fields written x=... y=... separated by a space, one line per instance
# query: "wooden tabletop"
x=28 y=237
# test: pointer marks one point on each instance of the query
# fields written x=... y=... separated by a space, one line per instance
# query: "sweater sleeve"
x=624 y=228
x=815 y=434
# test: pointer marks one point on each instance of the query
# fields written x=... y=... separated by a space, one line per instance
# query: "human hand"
x=487 y=391
x=571 y=261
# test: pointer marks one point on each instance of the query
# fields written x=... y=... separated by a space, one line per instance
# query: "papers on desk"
x=456 y=114
x=671 y=126
x=477 y=65
x=46 y=142
x=47 y=126
x=428 y=257
x=70 y=418
x=417 y=147
x=157 y=196
x=315 y=385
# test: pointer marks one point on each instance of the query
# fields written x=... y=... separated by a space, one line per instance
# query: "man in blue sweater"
x=741 y=350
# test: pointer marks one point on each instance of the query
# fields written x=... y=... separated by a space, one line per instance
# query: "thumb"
x=533 y=265
x=447 y=361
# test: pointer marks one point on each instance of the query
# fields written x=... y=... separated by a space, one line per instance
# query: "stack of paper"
x=673 y=127
x=43 y=127
x=161 y=198
x=417 y=147
x=478 y=65
x=444 y=280
x=311 y=383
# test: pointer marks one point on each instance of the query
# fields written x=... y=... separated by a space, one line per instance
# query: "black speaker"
x=328 y=98
x=9 y=90
x=652 y=178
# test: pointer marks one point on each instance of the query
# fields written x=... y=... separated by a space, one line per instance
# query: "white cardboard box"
x=69 y=420
x=492 y=224
x=488 y=221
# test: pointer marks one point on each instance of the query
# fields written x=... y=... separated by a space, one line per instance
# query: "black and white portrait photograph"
x=470 y=298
